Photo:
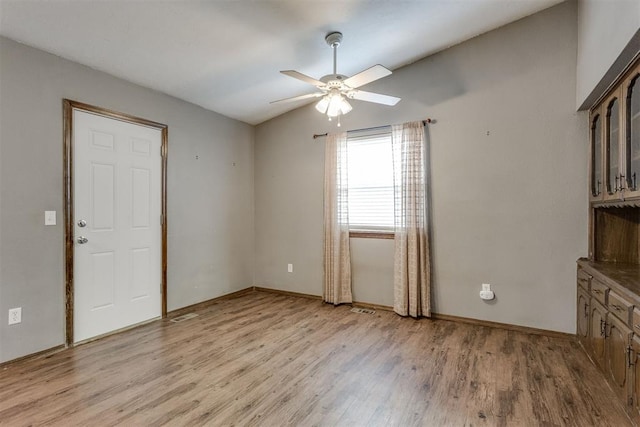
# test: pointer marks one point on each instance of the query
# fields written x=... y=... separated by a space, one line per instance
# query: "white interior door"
x=117 y=264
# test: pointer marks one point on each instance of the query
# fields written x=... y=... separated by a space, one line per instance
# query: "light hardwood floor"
x=272 y=360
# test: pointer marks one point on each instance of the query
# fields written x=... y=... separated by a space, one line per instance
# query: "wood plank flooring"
x=272 y=360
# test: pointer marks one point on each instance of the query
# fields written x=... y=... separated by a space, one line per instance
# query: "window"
x=370 y=181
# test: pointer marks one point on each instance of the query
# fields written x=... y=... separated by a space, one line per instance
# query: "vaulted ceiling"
x=225 y=55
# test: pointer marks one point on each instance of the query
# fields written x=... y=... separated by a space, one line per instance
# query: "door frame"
x=68 y=106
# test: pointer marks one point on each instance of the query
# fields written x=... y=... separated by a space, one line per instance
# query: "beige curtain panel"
x=412 y=268
x=337 y=253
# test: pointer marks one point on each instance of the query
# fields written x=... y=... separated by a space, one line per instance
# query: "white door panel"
x=117 y=191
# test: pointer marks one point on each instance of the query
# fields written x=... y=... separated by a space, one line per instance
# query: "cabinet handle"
x=598 y=183
x=586 y=314
x=622 y=181
x=616 y=307
x=632 y=181
x=629 y=364
x=603 y=327
x=615 y=190
x=597 y=291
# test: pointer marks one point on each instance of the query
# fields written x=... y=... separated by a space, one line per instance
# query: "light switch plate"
x=49 y=217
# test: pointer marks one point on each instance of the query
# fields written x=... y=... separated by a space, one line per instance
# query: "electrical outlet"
x=15 y=315
x=486 y=293
x=290 y=268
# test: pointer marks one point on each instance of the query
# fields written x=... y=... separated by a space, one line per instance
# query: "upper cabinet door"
x=612 y=138
x=614 y=143
x=596 y=165
x=631 y=136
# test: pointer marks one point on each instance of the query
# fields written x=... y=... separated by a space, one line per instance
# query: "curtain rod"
x=319 y=135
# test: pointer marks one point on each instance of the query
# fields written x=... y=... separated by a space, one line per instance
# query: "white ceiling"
x=225 y=55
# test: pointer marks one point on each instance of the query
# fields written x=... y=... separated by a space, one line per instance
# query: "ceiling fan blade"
x=298 y=98
x=378 y=98
x=303 y=77
x=367 y=76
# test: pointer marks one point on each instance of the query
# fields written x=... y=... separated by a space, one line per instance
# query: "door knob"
x=82 y=240
x=82 y=223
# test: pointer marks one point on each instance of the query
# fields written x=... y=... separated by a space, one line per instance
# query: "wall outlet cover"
x=15 y=315
x=487 y=295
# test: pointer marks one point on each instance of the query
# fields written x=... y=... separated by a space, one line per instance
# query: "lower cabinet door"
x=582 y=320
x=617 y=356
x=597 y=331
x=635 y=374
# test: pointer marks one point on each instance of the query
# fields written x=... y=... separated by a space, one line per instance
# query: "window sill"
x=372 y=234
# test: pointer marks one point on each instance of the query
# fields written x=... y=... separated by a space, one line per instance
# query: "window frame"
x=361 y=234
x=371 y=232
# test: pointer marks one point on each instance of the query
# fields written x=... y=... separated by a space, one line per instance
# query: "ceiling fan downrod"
x=334 y=39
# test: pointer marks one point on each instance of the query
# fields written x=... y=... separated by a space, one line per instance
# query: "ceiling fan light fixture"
x=337 y=105
x=345 y=107
x=323 y=104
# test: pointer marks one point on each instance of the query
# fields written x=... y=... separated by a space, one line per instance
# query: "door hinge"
x=161 y=219
x=163 y=150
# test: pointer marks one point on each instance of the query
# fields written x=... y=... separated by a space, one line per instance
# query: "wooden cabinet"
x=608 y=282
x=614 y=142
x=608 y=324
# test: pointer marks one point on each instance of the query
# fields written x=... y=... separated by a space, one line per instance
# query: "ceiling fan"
x=336 y=88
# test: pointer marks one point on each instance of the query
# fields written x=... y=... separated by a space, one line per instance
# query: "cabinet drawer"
x=599 y=291
x=620 y=308
x=584 y=279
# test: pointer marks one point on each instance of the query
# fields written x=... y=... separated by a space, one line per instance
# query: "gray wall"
x=608 y=38
x=509 y=174
x=210 y=200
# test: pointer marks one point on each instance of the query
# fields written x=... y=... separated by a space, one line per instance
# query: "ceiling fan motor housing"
x=334 y=80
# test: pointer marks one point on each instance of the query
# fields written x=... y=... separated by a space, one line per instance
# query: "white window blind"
x=370 y=178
